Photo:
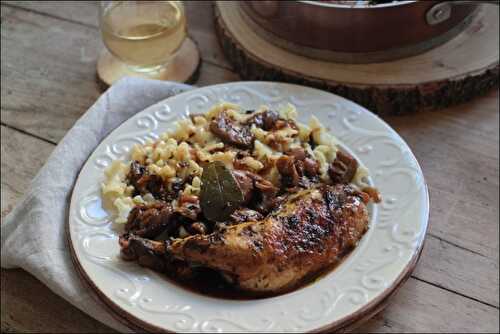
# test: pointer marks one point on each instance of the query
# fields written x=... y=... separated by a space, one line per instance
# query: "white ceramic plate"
x=382 y=260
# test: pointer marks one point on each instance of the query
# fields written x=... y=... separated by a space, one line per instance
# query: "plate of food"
x=248 y=206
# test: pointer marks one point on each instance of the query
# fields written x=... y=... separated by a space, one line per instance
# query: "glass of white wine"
x=144 y=35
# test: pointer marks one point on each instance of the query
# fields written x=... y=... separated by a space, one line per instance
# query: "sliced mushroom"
x=150 y=220
x=343 y=168
x=230 y=132
x=265 y=120
x=143 y=182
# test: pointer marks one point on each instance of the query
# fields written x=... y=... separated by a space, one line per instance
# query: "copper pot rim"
x=357 y=7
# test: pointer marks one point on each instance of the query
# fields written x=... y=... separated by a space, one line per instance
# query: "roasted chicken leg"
x=312 y=231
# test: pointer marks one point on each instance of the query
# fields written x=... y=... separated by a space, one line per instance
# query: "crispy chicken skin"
x=310 y=232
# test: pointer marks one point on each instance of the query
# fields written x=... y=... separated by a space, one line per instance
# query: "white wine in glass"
x=145 y=35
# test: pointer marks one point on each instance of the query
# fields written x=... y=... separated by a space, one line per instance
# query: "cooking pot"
x=351 y=31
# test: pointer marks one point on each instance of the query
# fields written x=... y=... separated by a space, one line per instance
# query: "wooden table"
x=48 y=81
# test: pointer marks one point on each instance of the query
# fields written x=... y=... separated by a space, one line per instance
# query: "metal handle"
x=442 y=11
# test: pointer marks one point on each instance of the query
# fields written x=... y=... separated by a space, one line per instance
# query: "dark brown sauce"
x=210 y=283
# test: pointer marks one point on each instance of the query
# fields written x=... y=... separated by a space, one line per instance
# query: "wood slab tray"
x=455 y=72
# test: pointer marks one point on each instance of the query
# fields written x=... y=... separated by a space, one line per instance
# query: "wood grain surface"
x=48 y=81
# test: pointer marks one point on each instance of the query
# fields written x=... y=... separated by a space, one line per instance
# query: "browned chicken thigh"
x=310 y=232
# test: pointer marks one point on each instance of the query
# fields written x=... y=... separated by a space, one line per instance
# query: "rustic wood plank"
x=443 y=264
x=482 y=118
x=20 y=106
x=199 y=14
x=422 y=131
x=211 y=74
x=48 y=72
x=458 y=151
x=46 y=98
x=19 y=166
x=422 y=308
x=29 y=306
x=459 y=270
x=83 y=12
x=435 y=124
x=201 y=27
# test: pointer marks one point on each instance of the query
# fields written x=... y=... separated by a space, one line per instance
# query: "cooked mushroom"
x=265 y=120
x=149 y=221
x=343 y=168
x=230 y=132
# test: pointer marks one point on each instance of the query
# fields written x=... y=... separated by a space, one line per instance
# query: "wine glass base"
x=182 y=68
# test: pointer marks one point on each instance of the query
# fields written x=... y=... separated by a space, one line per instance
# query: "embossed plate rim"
x=358 y=126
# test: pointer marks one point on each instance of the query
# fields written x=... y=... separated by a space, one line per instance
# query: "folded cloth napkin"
x=33 y=234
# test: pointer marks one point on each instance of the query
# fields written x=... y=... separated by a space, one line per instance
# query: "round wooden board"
x=184 y=67
x=454 y=72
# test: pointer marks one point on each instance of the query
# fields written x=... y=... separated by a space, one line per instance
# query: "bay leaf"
x=220 y=193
